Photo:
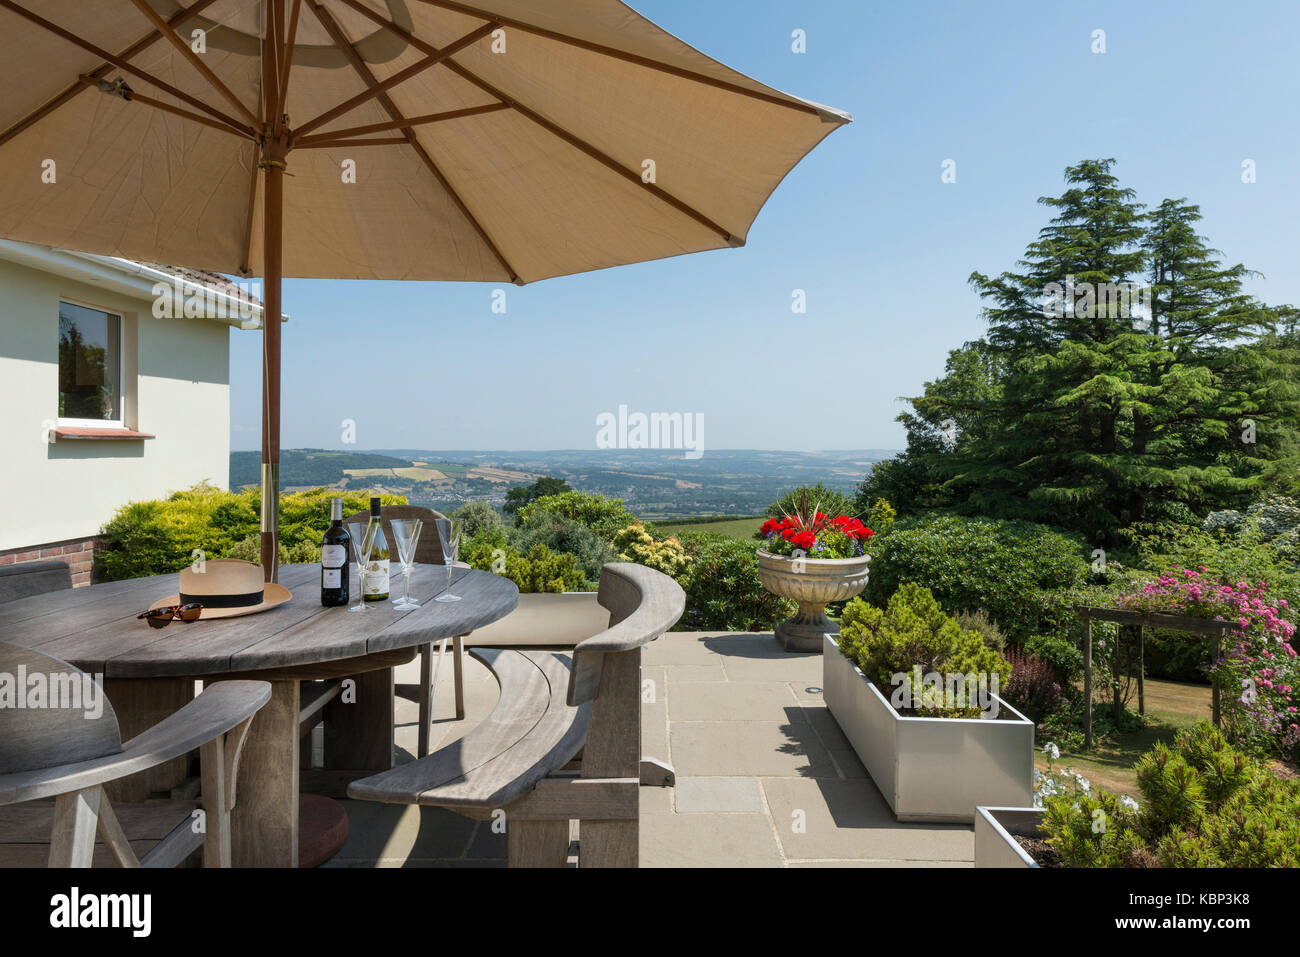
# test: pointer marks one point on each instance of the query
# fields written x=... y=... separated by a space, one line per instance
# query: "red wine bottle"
x=334 y=559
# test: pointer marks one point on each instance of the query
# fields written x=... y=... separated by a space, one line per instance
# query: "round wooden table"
x=149 y=673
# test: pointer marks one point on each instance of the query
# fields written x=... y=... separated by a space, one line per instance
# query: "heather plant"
x=913 y=637
x=1032 y=687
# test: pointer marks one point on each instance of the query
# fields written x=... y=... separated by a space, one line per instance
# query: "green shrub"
x=604 y=516
x=564 y=535
x=914 y=632
x=538 y=570
x=1065 y=658
x=477 y=517
x=1019 y=572
x=722 y=587
x=1204 y=804
x=988 y=629
x=163 y=536
x=300 y=553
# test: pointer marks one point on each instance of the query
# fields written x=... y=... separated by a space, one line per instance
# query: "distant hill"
x=656 y=484
x=311 y=467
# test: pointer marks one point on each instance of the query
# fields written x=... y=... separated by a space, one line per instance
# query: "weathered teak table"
x=149 y=673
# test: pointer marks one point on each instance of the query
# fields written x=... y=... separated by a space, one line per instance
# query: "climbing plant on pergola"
x=1143 y=620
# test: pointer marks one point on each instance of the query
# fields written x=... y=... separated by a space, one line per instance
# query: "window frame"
x=120 y=421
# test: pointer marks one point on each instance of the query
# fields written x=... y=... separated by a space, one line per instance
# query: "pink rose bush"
x=1258 y=671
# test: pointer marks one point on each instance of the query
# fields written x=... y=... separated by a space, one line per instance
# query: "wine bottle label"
x=331 y=578
x=376 y=578
x=333 y=556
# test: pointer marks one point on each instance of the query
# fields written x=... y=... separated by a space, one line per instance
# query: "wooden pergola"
x=1142 y=621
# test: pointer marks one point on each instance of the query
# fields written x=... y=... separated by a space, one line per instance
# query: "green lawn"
x=735 y=527
x=1171 y=706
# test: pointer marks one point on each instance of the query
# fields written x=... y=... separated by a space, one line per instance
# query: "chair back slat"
x=33 y=578
x=642 y=604
x=428 y=550
x=51 y=713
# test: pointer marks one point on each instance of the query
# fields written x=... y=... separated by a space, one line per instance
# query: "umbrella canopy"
x=500 y=141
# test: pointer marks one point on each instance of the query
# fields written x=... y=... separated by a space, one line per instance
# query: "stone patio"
x=765 y=778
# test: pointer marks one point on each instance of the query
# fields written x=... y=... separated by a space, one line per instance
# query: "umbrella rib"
x=412 y=121
x=288 y=53
x=331 y=143
x=246 y=267
x=629 y=57
x=171 y=36
x=359 y=67
x=99 y=72
x=553 y=128
x=122 y=64
x=433 y=59
x=131 y=96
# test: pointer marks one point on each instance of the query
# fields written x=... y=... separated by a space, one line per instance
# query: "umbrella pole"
x=272 y=247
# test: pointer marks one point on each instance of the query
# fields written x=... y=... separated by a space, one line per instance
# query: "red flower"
x=804 y=540
x=787 y=533
x=771 y=525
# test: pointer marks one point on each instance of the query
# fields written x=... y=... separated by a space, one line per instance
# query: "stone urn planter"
x=812 y=583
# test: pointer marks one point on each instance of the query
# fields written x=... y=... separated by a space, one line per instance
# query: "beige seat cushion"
x=545 y=621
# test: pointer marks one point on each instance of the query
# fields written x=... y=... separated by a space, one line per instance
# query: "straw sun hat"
x=226 y=588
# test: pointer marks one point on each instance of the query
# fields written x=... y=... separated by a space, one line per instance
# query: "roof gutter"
x=133 y=279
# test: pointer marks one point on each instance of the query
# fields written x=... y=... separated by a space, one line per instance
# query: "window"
x=90 y=365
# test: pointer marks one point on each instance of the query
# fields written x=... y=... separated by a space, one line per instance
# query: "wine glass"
x=363 y=541
x=406 y=532
x=449 y=536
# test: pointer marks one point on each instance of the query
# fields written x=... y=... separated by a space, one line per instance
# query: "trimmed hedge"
x=1019 y=572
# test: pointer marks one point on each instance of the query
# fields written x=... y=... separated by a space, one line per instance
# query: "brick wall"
x=78 y=554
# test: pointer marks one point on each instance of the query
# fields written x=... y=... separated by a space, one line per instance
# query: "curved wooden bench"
x=531 y=733
x=549 y=709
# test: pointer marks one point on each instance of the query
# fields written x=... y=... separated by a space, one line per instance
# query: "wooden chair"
x=428 y=551
x=62 y=753
x=517 y=761
x=33 y=578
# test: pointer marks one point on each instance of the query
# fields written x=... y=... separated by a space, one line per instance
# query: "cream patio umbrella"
x=495 y=141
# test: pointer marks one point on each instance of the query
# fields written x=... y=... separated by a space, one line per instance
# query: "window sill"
x=99 y=435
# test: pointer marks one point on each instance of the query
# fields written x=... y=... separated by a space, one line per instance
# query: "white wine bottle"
x=375 y=580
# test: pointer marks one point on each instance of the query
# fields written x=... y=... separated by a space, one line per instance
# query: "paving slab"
x=718 y=795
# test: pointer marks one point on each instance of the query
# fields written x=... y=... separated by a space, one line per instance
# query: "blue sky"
x=1009 y=90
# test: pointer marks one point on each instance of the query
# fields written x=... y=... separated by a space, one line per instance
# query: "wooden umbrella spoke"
x=309 y=141
x=331 y=143
x=288 y=56
x=71 y=91
x=433 y=59
x=131 y=96
x=169 y=33
x=122 y=64
x=554 y=129
x=359 y=67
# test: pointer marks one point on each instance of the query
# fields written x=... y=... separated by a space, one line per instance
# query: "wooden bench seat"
x=532 y=732
x=518 y=763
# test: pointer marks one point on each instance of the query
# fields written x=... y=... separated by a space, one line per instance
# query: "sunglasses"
x=162 y=617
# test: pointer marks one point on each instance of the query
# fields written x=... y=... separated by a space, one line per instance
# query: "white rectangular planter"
x=930 y=769
x=996 y=829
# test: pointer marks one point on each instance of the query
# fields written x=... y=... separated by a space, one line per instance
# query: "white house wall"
x=68 y=489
